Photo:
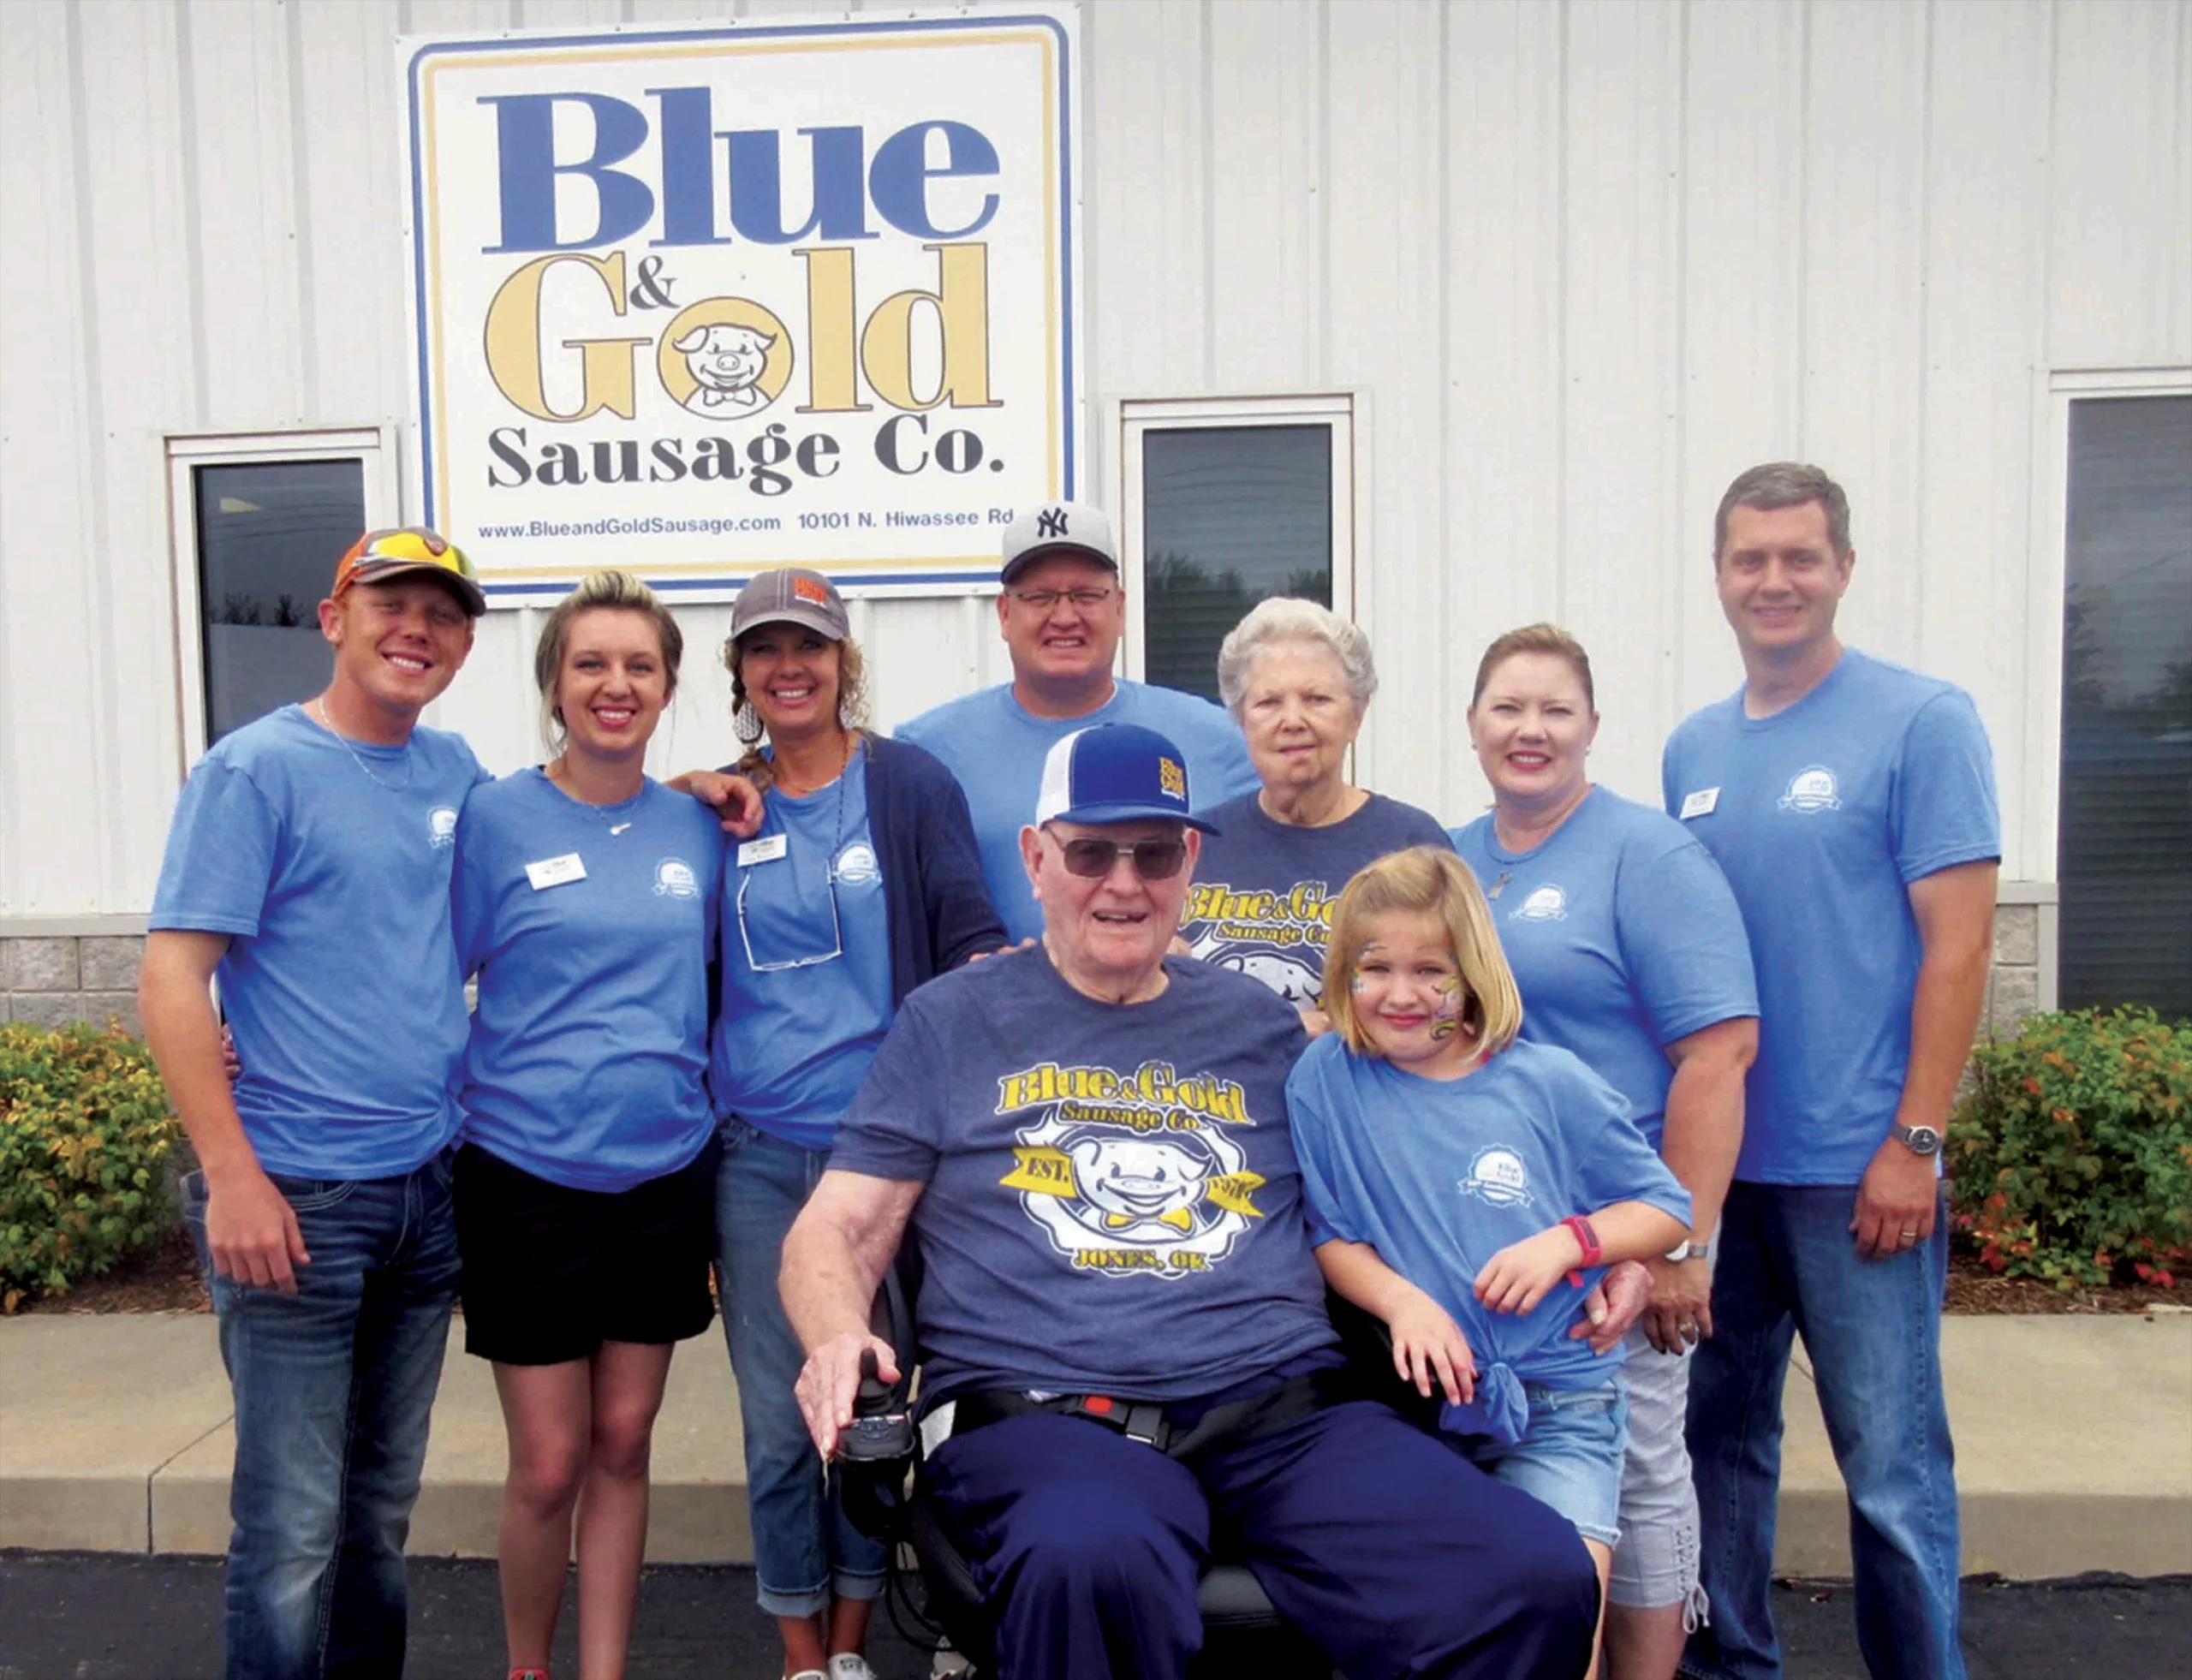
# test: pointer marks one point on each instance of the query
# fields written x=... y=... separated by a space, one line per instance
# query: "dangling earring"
x=745 y=723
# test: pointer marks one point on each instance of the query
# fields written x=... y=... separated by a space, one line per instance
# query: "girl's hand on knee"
x=1429 y=1347
x=1518 y=1277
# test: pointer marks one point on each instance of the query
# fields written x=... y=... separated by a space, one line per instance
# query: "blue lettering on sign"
x=846 y=182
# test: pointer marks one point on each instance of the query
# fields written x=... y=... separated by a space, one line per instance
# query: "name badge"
x=555 y=871
x=767 y=850
x=1700 y=803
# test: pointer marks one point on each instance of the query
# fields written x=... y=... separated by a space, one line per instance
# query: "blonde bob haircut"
x=617 y=591
x=1424 y=881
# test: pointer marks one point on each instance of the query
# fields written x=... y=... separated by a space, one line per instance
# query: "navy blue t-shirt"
x=1264 y=890
x=1111 y=1200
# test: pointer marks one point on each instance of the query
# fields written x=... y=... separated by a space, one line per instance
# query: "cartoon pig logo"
x=1139 y=1181
x=726 y=361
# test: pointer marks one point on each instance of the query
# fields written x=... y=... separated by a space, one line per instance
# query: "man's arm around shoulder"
x=250 y=1229
x=833 y=1262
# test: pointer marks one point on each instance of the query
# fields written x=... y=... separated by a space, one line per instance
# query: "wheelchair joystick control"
x=880 y=1430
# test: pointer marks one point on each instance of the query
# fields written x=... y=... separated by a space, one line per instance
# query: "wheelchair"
x=1242 y=1632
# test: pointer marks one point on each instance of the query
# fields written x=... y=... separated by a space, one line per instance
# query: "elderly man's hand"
x=1611 y=1310
x=1682 y=1304
x=829 y=1381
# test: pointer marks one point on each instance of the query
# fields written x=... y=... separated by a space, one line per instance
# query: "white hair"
x=1288 y=618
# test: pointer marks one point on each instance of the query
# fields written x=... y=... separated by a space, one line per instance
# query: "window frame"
x=1132 y=418
x=372 y=447
x=2042 y=816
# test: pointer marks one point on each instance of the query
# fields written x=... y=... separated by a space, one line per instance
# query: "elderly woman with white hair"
x=1298 y=678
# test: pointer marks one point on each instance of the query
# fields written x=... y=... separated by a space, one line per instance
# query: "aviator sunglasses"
x=1153 y=859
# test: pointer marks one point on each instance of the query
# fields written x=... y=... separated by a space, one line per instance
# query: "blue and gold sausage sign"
x=703 y=301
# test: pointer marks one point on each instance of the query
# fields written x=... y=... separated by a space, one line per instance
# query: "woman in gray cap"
x=863 y=881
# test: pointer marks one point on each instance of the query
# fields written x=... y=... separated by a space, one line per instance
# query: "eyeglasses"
x=1093 y=859
x=1042 y=601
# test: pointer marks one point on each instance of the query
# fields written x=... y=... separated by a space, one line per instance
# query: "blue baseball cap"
x=1116 y=773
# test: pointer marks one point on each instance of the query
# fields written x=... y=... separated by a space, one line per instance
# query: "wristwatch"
x=1690 y=1251
x=1918 y=1140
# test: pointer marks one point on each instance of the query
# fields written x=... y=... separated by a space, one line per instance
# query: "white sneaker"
x=808 y=1674
x=847 y=1667
x=949 y=1665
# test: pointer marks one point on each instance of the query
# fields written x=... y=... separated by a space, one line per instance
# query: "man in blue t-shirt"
x=1850 y=804
x=307 y=869
x=1088 y=1143
x=1061 y=611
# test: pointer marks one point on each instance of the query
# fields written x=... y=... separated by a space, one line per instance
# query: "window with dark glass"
x=269 y=534
x=1231 y=516
x=2125 y=834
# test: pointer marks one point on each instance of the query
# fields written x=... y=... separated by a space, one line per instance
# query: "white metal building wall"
x=1579 y=261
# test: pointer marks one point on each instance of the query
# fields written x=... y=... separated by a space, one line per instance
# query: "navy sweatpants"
x=1395 y=1555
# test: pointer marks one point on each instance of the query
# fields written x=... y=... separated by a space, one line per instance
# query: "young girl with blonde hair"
x=1468 y=1187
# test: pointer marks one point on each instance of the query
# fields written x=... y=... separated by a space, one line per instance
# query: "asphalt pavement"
x=102 y=1616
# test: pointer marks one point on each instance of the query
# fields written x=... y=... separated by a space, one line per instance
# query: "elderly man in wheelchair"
x=1126 y=1360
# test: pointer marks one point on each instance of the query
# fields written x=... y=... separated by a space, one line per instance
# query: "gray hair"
x=1784 y=483
x=1288 y=618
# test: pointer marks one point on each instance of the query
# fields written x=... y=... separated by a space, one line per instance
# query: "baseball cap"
x=1057 y=528
x=791 y=595
x=379 y=556
x=1114 y=773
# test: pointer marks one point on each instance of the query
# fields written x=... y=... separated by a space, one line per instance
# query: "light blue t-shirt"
x=792 y=1043
x=996 y=747
x=590 y=1040
x=1440 y=1175
x=327 y=864
x=1264 y=890
x=1623 y=936
x=1821 y=816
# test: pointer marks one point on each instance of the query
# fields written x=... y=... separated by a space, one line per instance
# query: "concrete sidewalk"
x=2074 y=1439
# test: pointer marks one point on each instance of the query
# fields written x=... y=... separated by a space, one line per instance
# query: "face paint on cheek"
x=1447 y=1017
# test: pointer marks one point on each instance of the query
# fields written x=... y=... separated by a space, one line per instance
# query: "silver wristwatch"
x=1690 y=1251
x=1918 y=1140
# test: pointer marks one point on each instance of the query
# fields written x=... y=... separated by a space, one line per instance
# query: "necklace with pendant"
x=615 y=817
x=410 y=765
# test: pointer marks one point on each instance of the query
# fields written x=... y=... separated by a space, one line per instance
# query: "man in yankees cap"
x=1062 y=611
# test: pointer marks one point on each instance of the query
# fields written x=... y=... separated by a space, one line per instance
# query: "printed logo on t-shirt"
x=1544 y=904
x=1131 y=1175
x=1276 y=938
x=855 y=865
x=1498 y=1175
x=1812 y=789
x=441 y=827
x=674 y=879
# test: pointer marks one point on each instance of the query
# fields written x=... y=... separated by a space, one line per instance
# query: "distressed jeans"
x=333 y=1388
x=1788 y=1266
x=805 y=1552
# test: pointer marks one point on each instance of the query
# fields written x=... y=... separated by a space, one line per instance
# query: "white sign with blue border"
x=699 y=302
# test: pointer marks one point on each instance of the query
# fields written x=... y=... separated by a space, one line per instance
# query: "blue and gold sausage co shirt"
x=1111 y=1201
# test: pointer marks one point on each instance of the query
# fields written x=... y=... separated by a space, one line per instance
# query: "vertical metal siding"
x=1580 y=262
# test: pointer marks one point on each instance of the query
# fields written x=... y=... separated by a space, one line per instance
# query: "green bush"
x=2072 y=1150
x=84 y=1134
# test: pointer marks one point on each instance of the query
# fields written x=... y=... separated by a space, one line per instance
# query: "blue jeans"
x=805 y=1551
x=1788 y=1265
x=333 y=1386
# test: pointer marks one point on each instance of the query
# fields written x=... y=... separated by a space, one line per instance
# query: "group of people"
x=1146 y=1030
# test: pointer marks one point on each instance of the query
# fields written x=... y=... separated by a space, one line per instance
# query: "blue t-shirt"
x=799 y=1026
x=996 y=747
x=1264 y=890
x=1821 y=816
x=1110 y=1200
x=1623 y=936
x=590 y=1039
x=1438 y=1175
x=331 y=876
